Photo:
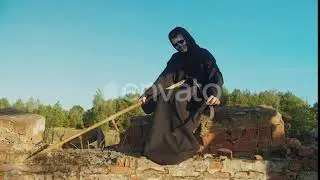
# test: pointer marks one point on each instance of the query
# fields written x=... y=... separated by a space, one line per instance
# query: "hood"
x=191 y=43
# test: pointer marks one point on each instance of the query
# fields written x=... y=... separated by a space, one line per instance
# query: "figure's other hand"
x=143 y=99
x=212 y=100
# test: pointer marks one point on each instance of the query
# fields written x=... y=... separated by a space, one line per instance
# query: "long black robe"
x=171 y=138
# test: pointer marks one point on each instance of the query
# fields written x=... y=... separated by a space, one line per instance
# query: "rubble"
x=242 y=143
x=77 y=157
x=96 y=164
x=21 y=134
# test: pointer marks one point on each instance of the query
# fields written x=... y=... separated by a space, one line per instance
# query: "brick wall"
x=243 y=129
x=89 y=164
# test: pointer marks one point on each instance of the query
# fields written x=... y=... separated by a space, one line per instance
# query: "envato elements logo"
x=183 y=92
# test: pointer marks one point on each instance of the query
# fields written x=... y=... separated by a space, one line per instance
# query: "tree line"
x=303 y=115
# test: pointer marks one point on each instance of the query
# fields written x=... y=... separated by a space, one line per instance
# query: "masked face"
x=179 y=43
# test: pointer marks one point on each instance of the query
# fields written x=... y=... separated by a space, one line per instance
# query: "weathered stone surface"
x=184 y=169
x=258 y=157
x=13 y=157
x=215 y=166
x=105 y=177
x=195 y=168
x=145 y=164
x=127 y=162
x=20 y=135
x=151 y=174
x=278 y=134
x=238 y=165
x=249 y=175
x=90 y=170
x=45 y=177
x=217 y=175
x=201 y=165
x=121 y=170
x=30 y=126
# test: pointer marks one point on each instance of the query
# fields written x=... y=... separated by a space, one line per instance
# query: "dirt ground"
x=58 y=134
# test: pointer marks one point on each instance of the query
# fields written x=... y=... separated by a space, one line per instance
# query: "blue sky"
x=66 y=49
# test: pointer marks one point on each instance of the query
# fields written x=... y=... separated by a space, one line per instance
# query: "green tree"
x=59 y=116
x=99 y=110
x=303 y=117
x=32 y=104
x=4 y=103
x=315 y=109
x=254 y=100
x=46 y=111
x=225 y=97
x=238 y=98
x=75 y=117
x=290 y=104
x=19 y=105
x=88 y=118
x=98 y=98
x=270 y=98
x=123 y=102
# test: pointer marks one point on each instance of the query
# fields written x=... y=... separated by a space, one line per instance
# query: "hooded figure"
x=176 y=112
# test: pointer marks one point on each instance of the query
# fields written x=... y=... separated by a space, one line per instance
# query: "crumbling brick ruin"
x=241 y=143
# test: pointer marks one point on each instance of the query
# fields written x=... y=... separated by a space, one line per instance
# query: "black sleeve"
x=213 y=74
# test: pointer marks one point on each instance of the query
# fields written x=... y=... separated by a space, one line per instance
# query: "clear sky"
x=66 y=49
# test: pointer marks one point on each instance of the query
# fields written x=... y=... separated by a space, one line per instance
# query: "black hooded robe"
x=171 y=138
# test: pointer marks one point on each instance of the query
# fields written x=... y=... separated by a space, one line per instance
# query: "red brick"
x=222 y=140
x=264 y=133
x=236 y=133
x=245 y=146
x=219 y=142
x=275 y=176
x=250 y=132
x=264 y=144
x=221 y=137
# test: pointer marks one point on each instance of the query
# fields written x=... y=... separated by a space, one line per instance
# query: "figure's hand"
x=143 y=99
x=212 y=100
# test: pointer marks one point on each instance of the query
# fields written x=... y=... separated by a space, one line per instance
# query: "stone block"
x=29 y=125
